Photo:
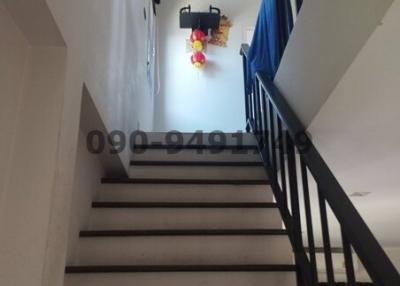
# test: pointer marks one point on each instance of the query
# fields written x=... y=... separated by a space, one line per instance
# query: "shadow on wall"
x=90 y=121
x=212 y=69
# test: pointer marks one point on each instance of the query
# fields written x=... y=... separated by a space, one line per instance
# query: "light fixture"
x=359 y=194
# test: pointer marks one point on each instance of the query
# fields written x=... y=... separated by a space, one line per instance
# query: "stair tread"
x=197 y=163
x=183 y=181
x=195 y=147
x=183 y=279
x=345 y=284
x=181 y=232
x=181 y=205
x=181 y=268
x=185 y=218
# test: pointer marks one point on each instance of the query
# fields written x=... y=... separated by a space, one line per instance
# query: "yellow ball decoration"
x=198 y=46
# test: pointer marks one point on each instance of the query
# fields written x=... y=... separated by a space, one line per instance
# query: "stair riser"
x=194 y=172
x=184 y=279
x=185 y=193
x=185 y=219
x=231 y=139
x=187 y=155
x=188 y=250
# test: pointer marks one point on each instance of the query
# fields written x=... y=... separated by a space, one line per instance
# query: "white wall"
x=31 y=92
x=30 y=176
x=107 y=51
x=13 y=58
x=212 y=99
x=327 y=37
x=357 y=129
x=88 y=170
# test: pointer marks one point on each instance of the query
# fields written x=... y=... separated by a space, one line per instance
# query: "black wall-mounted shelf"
x=200 y=20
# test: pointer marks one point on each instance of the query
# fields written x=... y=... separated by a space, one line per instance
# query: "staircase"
x=200 y=215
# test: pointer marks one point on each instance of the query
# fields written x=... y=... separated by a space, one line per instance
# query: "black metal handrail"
x=280 y=134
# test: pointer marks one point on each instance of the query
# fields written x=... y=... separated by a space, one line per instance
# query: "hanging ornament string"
x=198 y=40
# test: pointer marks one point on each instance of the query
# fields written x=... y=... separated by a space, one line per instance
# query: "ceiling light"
x=360 y=194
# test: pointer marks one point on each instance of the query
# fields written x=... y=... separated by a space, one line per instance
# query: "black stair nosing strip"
x=179 y=268
x=198 y=163
x=181 y=205
x=183 y=181
x=183 y=232
x=345 y=284
x=194 y=147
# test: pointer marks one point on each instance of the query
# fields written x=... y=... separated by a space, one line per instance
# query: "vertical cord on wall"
x=157 y=59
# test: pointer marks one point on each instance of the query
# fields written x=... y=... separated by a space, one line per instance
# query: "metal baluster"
x=298 y=246
x=327 y=243
x=282 y=161
x=246 y=95
x=269 y=135
x=258 y=108
x=310 y=231
x=348 y=258
x=266 y=133
x=253 y=107
x=272 y=139
x=256 y=87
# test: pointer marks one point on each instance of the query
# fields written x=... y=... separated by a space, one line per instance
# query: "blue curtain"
x=273 y=28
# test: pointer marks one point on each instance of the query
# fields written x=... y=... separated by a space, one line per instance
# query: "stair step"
x=184 y=218
x=180 y=268
x=183 y=181
x=181 y=232
x=184 y=250
x=167 y=138
x=185 y=193
x=199 y=171
x=202 y=155
x=193 y=147
x=252 y=277
x=345 y=284
x=181 y=205
x=197 y=163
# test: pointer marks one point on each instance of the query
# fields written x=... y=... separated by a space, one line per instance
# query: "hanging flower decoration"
x=198 y=60
x=198 y=39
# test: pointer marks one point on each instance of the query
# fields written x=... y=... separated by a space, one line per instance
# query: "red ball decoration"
x=198 y=57
x=198 y=60
x=198 y=35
